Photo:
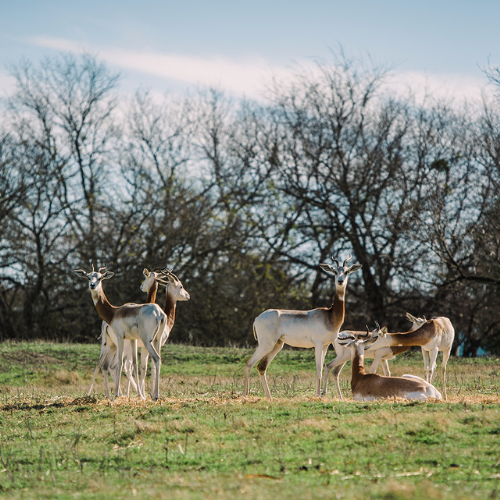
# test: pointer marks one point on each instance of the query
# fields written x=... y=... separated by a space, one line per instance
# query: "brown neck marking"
x=105 y=310
x=152 y=293
x=169 y=309
x=358 y=368
x=336 y=312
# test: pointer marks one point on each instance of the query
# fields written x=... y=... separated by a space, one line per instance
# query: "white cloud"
x=241 y=77
x=249 y=76
x=441 y=86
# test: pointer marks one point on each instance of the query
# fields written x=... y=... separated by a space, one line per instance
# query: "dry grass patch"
x=147 y=428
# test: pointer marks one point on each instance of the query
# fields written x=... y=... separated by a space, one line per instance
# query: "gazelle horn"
x=347 y=260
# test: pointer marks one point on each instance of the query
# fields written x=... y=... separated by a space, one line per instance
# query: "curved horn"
x=102 y=269
x=162 y=282
x=368 y=334
x=171 y=276
x=347 y=260
x=177 y=280
x=336 y=262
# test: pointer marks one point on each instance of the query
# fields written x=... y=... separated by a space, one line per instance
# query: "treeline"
x=244 y=200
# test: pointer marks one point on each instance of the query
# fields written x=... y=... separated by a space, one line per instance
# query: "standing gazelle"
x=109 y=344
x=433 y=336
x=317 y=328
x=175 y=292
x=369 y=386
x=129 y=321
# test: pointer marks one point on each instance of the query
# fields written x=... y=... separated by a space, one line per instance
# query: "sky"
x=236 y=46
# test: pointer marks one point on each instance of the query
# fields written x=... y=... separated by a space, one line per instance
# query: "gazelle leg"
x=340 y=360
x=102 y=357
x=135 y=368
x=425 y=356
x=385 y=368
x=119 y=365
x=153 y=378
x=155 y=357
x=106 y=366
x=336 y=376
x=433 y=357
x=446 y=356
x=320 y=352
x=262 y=350
x=377 y=358
x=263 y=365
x=144 y=368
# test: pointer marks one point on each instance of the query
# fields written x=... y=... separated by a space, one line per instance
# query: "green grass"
x=202 y=440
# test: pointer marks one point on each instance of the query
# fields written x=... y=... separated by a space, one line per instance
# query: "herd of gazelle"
x=147 y=326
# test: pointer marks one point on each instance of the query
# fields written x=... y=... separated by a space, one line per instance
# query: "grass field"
x=203 y=440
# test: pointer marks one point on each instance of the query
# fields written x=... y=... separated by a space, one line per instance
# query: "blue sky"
x=172 y=46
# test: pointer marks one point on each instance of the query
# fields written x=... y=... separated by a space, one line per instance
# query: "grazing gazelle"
x=317 y=328
x=432 y=336
x=369 y=386
x=131 y=322
x=382 y=355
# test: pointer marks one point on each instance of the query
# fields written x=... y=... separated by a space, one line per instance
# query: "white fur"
x=276 y=327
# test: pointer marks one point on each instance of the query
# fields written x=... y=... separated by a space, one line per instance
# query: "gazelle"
x=369 y=386
x=107 y=358
x=175 y=292
x=129 y=322
x=433 y=336
x=316 y=328
x=382 y=355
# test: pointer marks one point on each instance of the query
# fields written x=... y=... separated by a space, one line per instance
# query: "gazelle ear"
x=328 y=269
x=81 y=273
x=383 y=331
x=346 y=342
x=146 y=273
x=107 y=275
x=354 y=268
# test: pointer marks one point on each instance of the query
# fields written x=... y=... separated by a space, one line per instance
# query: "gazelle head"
x=361 y=341
x=95 y=277
x=417 y=322
x=174 y=285
x=340 y=273
x=382 y=332
x=150 y=278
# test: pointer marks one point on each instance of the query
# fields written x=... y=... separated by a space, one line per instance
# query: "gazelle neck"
x=170 y=305
x=358 y=366
x=337 y=310
x=105 y=310
x=152 y=293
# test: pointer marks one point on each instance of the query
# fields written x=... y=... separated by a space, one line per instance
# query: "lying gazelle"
x=109 y=344
x=382 y=355
x=129 y=322
x=317 y=328
x=432 y=336
x=369 y=386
